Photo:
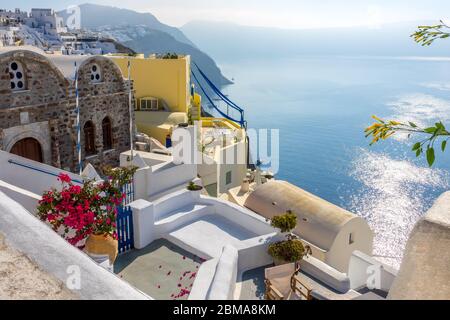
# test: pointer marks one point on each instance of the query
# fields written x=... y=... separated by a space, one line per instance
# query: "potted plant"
x=85 y=215
x=193 y=187
x=291 y=249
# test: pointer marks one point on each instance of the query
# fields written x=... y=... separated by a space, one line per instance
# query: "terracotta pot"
x=279 y=262
x=103 y=244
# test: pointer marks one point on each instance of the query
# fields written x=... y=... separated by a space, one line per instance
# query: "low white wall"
x=173 y=201
x=157 y=174
x=143 y=223
x=242 y=216
x=26 y=198
x=363 y=271
x=253 y=253
x=224 y=282
x=325 y=274
x=168 y=175
x=203 y=280
x=248 y=254
x=30 y=179
x=54 y=255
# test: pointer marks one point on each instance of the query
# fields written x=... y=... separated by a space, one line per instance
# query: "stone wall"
x=49 y=100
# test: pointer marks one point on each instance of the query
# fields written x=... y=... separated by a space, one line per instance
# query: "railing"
x=299 y=288
x=125 y=219
x=221 y=96
x=128 y=190
x=125 y=228
x=39 y=170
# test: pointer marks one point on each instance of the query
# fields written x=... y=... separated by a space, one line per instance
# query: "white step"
x=189 y=211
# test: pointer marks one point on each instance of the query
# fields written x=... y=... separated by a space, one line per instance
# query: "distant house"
x=47 y=20
x=332 y=233
x=38 y=108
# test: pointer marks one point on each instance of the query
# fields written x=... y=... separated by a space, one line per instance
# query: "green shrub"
x=288 y=250
x=285 y=222
x=193 y=187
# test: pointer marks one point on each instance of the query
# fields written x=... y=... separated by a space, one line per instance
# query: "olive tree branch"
x=425 y=35
x=381 y=130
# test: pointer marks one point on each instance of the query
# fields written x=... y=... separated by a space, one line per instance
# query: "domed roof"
x=318 y=221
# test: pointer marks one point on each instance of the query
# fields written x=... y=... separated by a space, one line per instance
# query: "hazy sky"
x=271 y=13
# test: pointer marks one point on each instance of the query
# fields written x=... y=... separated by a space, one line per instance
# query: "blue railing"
x=221 y=96
x=39 y=170
x=125 y=228
x=125 y=220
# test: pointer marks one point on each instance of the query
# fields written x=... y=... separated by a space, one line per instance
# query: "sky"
x=292 y=14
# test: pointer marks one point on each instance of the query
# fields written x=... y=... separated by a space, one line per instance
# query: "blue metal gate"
x=125 y=220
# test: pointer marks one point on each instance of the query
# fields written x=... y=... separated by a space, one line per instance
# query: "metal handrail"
x=40 y=170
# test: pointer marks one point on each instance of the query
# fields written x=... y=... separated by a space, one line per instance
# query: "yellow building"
x=163 y=100
x=161 y=90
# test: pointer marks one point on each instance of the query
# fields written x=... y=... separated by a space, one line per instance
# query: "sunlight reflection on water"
x=393 y=198
x=422 y=109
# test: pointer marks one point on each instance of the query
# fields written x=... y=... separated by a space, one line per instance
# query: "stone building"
x=38 y=108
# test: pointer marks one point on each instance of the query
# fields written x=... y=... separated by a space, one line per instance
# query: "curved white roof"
x=318 y=221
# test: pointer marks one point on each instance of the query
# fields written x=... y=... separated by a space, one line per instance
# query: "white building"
x=12 y=17
x=7 y=37
x=332 y=232
x=47 y=21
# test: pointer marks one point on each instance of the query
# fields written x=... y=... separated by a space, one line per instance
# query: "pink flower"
x=75 y=189
x=64 y=178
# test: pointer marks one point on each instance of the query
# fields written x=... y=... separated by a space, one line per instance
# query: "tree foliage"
x=434 y=135
x=426 y=35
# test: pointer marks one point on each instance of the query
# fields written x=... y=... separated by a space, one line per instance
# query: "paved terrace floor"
x=251 y=286
x=211 y=233
x=162 y=270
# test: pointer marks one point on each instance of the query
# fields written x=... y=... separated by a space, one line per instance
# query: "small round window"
x=16 y=75
x=96 y=75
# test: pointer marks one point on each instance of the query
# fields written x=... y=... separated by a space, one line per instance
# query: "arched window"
x=107 y=133
x=96 y=74
x=17 y=76
x=89 y=138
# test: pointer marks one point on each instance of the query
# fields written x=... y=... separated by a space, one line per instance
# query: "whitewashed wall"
x=54 y=255
x=364 y=268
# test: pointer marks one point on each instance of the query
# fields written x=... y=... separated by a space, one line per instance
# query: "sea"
x=321 y=105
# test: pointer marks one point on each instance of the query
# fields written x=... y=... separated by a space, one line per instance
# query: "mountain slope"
x=146 y=40
x=94 y=16
x=143 y=33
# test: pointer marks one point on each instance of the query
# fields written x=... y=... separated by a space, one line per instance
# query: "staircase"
x=195 y=109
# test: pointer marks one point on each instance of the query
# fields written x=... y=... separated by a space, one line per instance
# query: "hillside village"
x=188 y=215
x=43 y=28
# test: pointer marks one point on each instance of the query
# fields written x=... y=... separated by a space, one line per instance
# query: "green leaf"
x=418 y=152
x=440 y=126
x=430 y=130
x=444 y=144
x=416 y=146
x=430 y=156
x=412 y=124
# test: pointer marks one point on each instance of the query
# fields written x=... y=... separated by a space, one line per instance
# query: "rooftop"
x=324 y=218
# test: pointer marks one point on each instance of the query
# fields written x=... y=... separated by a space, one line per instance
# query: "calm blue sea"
x=321 y=106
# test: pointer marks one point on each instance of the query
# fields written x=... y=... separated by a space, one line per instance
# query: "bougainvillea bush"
x=76 y=211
